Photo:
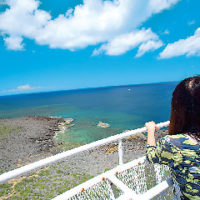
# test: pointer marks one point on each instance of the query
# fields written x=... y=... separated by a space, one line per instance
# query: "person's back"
x=180 y=149
x=182 y=154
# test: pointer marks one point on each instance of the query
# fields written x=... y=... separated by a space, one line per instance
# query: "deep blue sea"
x=123 y=107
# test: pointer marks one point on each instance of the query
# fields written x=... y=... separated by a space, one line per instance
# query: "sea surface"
x=123 y=107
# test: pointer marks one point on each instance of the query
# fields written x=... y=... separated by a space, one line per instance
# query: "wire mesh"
x=140 y=178
x=134 y=178
x=143 y=176
x=162 y=173
x=103 y=190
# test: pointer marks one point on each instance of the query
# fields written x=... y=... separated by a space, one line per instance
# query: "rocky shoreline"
x=24 y=140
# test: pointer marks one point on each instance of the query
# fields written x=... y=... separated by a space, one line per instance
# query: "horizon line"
x=88 y=88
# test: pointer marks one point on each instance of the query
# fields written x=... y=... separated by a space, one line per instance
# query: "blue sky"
x=68 y=44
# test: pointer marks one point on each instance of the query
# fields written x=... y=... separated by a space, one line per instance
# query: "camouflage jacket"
x=181 y=153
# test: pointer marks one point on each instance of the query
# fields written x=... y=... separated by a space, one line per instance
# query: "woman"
x=180 y=150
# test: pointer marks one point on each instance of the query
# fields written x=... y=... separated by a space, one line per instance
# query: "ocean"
x=123 y=107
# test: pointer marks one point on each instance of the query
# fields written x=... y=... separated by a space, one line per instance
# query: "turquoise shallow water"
x=124 y=108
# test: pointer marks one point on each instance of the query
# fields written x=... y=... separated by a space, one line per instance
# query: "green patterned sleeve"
x=162 y=153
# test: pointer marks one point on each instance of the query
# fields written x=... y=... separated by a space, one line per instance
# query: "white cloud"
x=159 y=5
x=22 y=88
x=22 y=19
x=191 y=22
x=93 y=22
x=123 y=43
x=150 y=45
x=14 y=43
x=166 y=32
x=189 y=47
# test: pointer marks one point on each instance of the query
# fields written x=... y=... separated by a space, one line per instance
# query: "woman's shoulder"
x=170 y=138
x=177 y=136
x=182 y=141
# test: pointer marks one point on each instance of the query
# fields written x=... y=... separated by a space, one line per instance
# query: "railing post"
x=120 y=152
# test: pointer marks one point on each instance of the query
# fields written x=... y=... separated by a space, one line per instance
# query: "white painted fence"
x=39 y=164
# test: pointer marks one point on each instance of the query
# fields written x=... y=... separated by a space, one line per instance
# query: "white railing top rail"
x=39 y=164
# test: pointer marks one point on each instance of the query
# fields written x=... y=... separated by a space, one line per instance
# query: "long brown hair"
x=185 y=108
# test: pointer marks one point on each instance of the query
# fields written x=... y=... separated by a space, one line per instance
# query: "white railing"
x=39 y=164
x=127 y=193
